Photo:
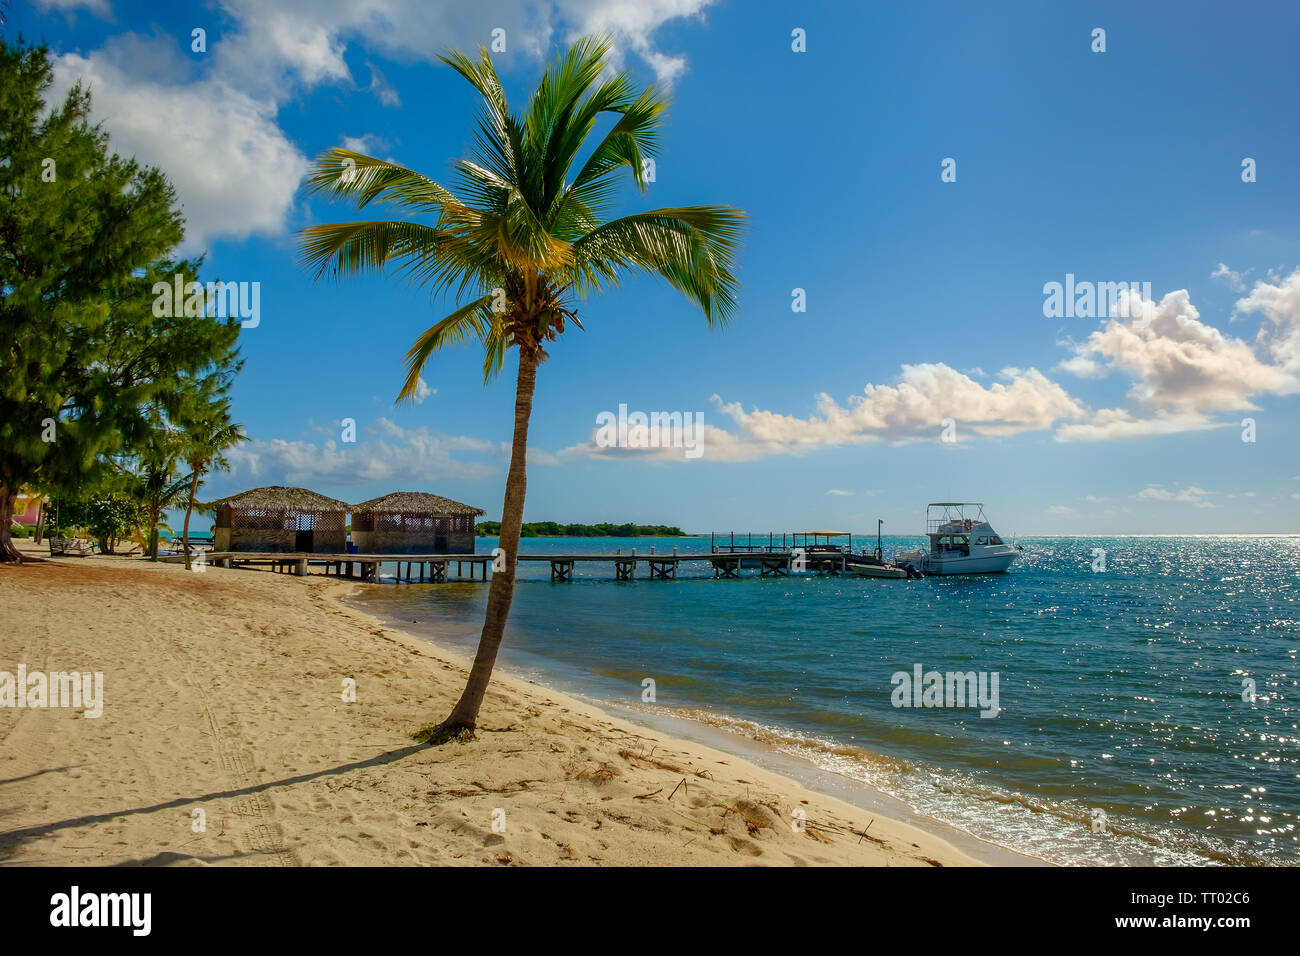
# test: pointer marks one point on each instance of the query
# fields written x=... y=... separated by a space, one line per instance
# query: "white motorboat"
x=961 y=542
x=878 y=571
x=874 y=565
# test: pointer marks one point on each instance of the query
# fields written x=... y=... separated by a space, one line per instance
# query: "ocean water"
x=1126 y=730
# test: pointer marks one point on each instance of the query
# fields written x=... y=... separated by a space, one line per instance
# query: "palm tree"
x=161 y=489
x=207 y=439
x=157 y=484
x=521 y=241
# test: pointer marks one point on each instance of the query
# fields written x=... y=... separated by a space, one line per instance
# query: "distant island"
x=553 y=529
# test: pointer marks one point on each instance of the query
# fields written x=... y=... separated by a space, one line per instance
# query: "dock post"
x=302 y=567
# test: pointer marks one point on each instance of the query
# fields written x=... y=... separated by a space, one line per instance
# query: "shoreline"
x=683 y=728
x=222 y=701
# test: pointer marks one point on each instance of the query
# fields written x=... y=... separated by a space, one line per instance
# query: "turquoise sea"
x=1126 y=731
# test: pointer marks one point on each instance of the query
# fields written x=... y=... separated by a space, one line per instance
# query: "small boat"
x=881 y=570
x=874 y=565
x=961 y=542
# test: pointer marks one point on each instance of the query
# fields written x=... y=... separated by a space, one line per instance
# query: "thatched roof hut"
x=414 y=522
x=277 y=518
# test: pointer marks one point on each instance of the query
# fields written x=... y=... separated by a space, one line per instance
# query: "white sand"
x=223 y=693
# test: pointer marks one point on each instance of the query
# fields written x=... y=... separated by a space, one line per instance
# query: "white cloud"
x=839 y=493
x=422 y=391
x=384 y=452
x=234 y=170
x=1183 y=372
x=100 y=8
x=365 y=143
x=913 y=409
x=1193 y=495
x=1279 y=302
x=387 y=452
x=633 y=24
x=217 y=138
x=1181 y=367
x=1083 y=367
x=1108 y=423
x=1236 y=281
x=305 y=41
x=384 y=91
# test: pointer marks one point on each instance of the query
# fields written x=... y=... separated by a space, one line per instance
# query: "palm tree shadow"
x=14 y=839
x=38 y=773
x=171 y=858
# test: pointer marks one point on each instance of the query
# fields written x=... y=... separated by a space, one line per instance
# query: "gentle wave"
x=1121 y=692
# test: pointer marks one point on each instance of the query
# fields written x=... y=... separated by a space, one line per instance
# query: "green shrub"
x=20 y=531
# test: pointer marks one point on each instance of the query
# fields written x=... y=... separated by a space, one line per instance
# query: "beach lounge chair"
x=74 y=547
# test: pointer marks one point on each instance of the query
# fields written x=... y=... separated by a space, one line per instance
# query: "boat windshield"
x=953 y=542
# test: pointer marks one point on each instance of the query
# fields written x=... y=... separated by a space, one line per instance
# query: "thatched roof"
x=280 y=498
x=417 y=503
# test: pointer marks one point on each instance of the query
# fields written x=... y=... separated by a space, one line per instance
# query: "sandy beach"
x=225 y=739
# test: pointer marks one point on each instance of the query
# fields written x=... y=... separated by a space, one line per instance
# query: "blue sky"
x=924 y=298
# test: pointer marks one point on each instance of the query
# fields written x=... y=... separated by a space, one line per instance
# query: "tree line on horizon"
x=111 y=410
x=604 y=529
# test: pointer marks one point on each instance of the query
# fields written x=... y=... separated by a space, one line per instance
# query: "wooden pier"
x=727 y=555
x=433 y=568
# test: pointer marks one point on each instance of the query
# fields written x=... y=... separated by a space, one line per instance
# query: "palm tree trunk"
x=502 y=590
x=189 y=507
x=154 y=513
x=8 y=551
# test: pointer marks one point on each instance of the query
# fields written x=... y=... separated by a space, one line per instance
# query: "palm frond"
x=349 y=248
x=345 y=174
x=693 y=247
x=515 y=221
x=634 y=138
x=472 y=321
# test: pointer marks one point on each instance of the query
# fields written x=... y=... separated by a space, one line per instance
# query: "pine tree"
x=85 y=364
